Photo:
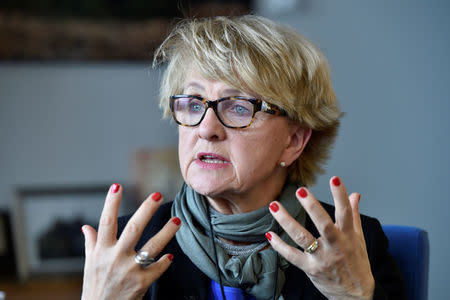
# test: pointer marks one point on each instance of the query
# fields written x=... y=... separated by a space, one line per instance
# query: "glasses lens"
x=235 y=112
x=188 y=110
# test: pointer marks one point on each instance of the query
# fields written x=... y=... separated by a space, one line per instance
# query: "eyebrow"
x=229 y=91
x=233 y=92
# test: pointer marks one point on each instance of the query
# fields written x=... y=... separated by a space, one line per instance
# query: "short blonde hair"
x=260 y=57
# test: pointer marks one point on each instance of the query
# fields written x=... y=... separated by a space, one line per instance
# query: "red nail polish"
x=177 y=221
x=268 y=236
x=115 y=187
x=156 y=196
x=170 y=257
x=302 y=193
x=359 y=197
x=274 y=207
x=336 y=181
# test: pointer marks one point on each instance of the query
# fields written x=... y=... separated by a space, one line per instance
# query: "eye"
x=188 y=105
x=195 y=106
x=241 y=110
x=236 y=108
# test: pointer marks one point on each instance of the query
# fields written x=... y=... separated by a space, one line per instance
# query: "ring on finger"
x=313 y=247
x=143 y=259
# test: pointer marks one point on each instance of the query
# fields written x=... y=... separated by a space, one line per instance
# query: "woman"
x=257 y=116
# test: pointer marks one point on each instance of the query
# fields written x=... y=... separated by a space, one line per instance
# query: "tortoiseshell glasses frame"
x=232 y=112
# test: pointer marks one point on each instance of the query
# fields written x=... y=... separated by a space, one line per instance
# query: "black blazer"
x=183 y=280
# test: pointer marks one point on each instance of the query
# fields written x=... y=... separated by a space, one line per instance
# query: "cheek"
x=181 y=158
x=183 y=150
x=255 y=153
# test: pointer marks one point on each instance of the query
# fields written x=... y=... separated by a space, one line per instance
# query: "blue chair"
x=410 y=248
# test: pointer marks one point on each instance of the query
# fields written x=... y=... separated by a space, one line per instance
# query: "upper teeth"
x=212 y=159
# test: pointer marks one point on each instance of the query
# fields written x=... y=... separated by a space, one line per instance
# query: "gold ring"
x=313 y=247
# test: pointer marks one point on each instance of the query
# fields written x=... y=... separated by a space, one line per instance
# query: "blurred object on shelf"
x=156 y=170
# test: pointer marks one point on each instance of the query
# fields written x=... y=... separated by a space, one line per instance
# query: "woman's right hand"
x=110 y=271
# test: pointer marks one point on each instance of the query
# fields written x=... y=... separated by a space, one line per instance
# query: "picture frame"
x=47 y=221
x=7 y=259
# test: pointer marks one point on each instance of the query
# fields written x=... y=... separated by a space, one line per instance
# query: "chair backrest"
x=410 y=248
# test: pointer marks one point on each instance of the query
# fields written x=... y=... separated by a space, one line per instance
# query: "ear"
x=298 y=138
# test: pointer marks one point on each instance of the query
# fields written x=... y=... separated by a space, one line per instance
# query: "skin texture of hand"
x=340 y=267
x=110 y=271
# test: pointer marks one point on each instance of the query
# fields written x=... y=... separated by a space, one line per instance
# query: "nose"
x=210 y=128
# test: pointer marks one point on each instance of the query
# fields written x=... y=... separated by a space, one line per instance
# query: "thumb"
x=90 y=238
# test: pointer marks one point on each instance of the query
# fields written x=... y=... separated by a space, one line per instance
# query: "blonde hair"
x=258 y=56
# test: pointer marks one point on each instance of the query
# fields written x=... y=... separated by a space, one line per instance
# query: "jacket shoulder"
x=366 y=221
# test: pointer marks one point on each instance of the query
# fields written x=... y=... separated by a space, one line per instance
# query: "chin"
x=204 y=188
x=209 y=184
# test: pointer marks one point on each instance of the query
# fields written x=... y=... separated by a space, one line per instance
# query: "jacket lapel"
x=188 y=281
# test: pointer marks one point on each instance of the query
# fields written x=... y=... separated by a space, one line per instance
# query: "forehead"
x=195 y=81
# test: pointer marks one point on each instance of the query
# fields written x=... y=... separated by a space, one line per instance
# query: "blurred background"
x=78 y=112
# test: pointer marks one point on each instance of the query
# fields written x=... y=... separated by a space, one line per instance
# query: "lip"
x=214 y=155
x=208 y=165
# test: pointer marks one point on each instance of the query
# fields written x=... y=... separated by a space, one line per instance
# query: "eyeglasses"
x=232 y=112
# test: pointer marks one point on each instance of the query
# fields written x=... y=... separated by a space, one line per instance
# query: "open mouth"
x=211 y=158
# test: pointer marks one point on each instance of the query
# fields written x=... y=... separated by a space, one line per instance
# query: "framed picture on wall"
x=99 y=31
x=7 y=260
x=48 y=222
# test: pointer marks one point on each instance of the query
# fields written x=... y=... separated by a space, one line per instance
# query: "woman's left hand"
x=339 y=267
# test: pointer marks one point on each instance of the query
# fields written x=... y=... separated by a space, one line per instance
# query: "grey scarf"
x=254 y=272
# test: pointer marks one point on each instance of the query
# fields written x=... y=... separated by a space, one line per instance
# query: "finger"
x=135 y=226
x=318 y=215
x=156 y=269
x=291 y=254
x=297 y=232
x=354 y=202
x=107 y=228
x=157 y=243
x=343 y=212
x=90 y=238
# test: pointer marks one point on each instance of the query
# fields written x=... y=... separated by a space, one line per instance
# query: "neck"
x=250 y=200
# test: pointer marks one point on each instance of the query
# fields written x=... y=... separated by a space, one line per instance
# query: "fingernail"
x=336 y=181
x=268 y=236
x=302 y=193
x=170 y=257
x=82 y=229
x=156 y=196
x=274 y=207
x=115 y=187
x=177 y=221
x=359 y=197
